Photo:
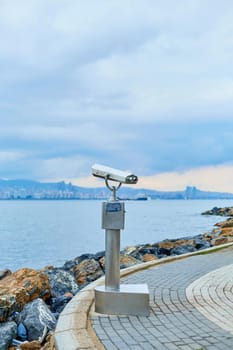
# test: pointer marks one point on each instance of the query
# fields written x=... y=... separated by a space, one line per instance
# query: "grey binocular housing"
x=108 y=173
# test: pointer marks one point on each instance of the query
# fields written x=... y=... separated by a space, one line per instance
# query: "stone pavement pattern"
x=212 y=295
x=174 y=321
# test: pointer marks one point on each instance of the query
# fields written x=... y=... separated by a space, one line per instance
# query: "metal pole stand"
x=115 y=298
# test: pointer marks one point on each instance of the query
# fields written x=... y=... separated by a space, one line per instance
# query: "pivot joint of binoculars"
x=112 y=188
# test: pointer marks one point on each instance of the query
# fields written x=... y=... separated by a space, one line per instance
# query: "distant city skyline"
x=141 y=85
x=35 y=190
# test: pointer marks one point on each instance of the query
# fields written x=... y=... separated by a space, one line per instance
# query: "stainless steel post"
x=114 y=298
x=112 y=259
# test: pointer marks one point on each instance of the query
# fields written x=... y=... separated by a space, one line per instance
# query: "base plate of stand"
x=130 y=299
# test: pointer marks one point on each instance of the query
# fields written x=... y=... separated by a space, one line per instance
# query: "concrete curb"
x=73 y=332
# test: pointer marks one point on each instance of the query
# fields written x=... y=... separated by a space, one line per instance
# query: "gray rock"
x=201 y=244
x=36 y=316
x=183 y=249
x=61 y=282
x=8 y=331
x=135 y=254
x=69 y=264
x=148 y=250
x=86 y=256
x=99 y=255
x=58 y=304
x=163 y=252
x=226 y=211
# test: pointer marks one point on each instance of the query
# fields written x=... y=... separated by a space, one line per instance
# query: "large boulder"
x=21 y=287
x=208 y=236
x=85 y=256
x=139 y=253
x=201 y=244
x=221 y=240
x=168 y=245
x=87 y=271
x=223 y=233
x=58 y=304
x=227 y=232
x=173 y=243
x=125 y=261
x=225 y=224
x=37 y=318
x=175 y=247
x=163 y=252
x=182 y=249
x=61 y=282
x=8 y=331
x=132 y=252
x=147 y=249
x=149 y=257
x=129 y=250
x=225 y=228
x=99 y=255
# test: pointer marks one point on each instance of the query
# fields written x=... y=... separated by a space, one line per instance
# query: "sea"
x=39 y=233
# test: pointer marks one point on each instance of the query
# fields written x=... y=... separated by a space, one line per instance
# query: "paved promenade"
x=191 y=304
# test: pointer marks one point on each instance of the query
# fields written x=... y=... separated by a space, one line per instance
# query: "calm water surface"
x=39 y=233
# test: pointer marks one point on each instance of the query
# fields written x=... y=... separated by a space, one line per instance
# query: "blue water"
x=39 y=233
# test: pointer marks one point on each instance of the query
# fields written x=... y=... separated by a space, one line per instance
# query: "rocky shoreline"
x=31 y=300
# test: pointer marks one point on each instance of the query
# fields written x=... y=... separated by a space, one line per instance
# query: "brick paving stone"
x=109 y=345
x=174 y=322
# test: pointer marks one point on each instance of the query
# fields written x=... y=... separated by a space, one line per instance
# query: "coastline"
x=54 y=287
x=49 y=227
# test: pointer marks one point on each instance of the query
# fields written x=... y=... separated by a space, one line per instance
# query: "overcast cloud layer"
x=142 y=85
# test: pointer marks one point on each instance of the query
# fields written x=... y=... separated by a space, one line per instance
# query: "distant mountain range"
x=29 y=189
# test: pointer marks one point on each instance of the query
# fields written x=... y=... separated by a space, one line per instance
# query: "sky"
x=142 y=85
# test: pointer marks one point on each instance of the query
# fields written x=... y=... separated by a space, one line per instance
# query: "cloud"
x=93 y=60
x=58 y=168
x=145 y=85
x=6 y=156
x=161 y=147
x=10 y=160
x=212 y=178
